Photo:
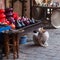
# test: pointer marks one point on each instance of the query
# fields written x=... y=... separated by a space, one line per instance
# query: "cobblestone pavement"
x=52 y=52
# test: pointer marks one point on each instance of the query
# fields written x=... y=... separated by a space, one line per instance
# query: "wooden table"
x=45 y=8
x=12 y=36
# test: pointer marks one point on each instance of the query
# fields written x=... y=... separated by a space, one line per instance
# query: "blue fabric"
x=4 y=28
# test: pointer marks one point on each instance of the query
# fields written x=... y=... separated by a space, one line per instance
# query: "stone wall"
x=18 y=7
x=27 y=12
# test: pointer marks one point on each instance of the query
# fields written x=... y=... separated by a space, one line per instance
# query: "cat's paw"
x=45 y=45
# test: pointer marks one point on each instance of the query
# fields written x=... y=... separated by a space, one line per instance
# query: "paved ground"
x=31 y=52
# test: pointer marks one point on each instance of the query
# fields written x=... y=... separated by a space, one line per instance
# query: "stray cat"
x=40 y=37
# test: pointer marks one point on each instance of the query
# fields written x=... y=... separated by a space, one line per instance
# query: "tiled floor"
x=31 y=52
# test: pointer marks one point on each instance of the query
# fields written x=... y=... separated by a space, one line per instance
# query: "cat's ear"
x=43 y=30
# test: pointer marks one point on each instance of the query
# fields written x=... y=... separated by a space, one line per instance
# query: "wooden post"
x=31 y=9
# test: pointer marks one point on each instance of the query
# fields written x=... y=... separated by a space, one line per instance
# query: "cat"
x=40 y=37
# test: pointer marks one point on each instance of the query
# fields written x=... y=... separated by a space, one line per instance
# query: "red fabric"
x=2 y=20
x=2 y=10
x=15 y=15
x=2 y=16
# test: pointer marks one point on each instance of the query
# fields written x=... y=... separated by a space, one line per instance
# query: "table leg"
x=14 y=47
x=6 y=44
x=17 y=45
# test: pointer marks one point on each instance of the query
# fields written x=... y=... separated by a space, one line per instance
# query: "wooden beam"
x=31 y=9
